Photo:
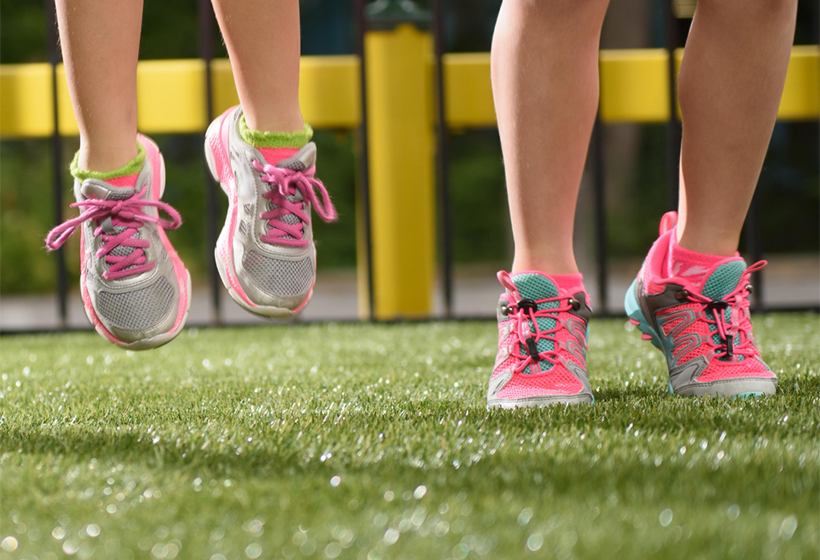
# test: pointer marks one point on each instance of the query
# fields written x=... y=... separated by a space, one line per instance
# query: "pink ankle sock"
x=687 y=264
x=572 y=283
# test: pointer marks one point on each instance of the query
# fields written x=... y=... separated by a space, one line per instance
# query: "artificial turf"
x=374 y=441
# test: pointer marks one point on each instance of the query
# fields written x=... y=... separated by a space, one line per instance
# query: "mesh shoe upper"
x=705 y=333
x=137 y=309
x=542 y=340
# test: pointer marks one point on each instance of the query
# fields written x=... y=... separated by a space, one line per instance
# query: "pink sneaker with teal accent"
x=265 y=254
x=135 y=289
x=542 y=341
x=705 y=333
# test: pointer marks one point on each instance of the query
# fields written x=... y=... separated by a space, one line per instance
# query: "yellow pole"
x=401 y=165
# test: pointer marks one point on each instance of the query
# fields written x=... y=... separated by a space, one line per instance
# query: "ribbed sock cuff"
x=130 y=168
x=259 y=139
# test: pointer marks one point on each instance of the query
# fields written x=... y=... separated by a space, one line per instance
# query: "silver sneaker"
x=265 y=254
x=135 y=289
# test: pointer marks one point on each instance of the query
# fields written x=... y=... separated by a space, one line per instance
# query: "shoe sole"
x=224 y=246
x=160 y=339
x=540 y=402
x=738 y=387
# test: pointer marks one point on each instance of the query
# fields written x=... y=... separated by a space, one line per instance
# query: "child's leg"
x=730 y=85
x=263 y=40
x=100 y=42
x=545 y=85
x=263 y=150
x=135 y=288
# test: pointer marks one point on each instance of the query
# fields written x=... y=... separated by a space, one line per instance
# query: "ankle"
x=720 y=245
x=551 y=266
x=107 y=159
x=290 y=122
x=83 y=167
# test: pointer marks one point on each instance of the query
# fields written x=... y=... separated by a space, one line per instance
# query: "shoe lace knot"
x=729 y=315
x=283 y=229
x=118 y=223
x=526 y=331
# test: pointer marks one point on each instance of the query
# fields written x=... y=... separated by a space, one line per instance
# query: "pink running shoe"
x=705 y=334
x=542 y=341
x=134 y=286
x=265 y=254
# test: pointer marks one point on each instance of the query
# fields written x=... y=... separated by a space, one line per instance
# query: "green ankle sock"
x=259 y=139
x=133 y=166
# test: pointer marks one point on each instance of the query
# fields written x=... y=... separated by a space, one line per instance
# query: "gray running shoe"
x=265 y=254
x=135 y=289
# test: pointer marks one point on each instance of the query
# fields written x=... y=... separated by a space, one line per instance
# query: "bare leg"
x=730 y=85
x=545 y=85
x=100 y=41
x=263 y=40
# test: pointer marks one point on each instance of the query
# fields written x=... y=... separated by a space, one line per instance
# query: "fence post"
x=673 y=127
x=57 y=160
x=205 y=20
x=364 y=228
x=398 y=49
x=442 y=162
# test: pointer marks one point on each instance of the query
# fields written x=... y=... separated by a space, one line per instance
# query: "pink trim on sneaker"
x=219 y=147
x=274 y=155
x=157 y=179
x=157 y=167
x=124 y=181
x=683 y=263
x=570 y=283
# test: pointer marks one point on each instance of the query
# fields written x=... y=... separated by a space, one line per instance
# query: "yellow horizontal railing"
x=171 y=93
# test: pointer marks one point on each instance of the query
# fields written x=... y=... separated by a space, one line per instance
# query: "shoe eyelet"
x=682 y=295
x=575 y=304
x=505 y=310
x=527 y=305
x=749 y=288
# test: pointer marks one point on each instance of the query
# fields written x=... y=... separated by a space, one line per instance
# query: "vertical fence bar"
x=755 y=250
x=598 y=189
x=364 y=164
x=206 y=52
x=56 y=159
x=442 y=161
x=673 y=127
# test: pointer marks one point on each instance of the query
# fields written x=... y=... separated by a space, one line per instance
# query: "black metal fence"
x=676 y=30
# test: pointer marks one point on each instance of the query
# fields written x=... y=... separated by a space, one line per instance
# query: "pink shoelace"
x=738 y=302
x=123 y=213
x=287 y=183
x=525 y=311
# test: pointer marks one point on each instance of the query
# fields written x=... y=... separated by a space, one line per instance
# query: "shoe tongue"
x=101 y=190
x=96 y=188
x=535 y=287
x=290 y=158
x=302 y=160
x=724 y=279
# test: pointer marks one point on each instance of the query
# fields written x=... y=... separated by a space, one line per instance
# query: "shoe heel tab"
x=669 y=220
